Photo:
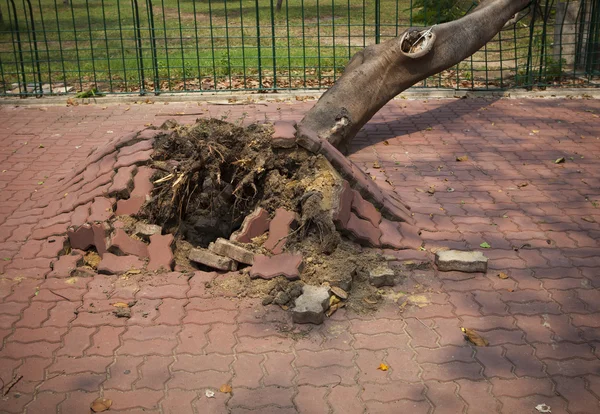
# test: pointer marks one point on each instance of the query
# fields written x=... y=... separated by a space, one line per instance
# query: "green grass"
x=202 y=44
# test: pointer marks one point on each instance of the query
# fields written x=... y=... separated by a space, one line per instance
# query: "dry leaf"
x=560 y=160
x=502 y=275
x=523 y=184
x=226 y=388
x=588 y=219
x=100 y=404
x=332 y=309
x=431 y=190
x=474 y=337
x=419 y=190
x=339 y=292
x=386 y=143
x=128 y=108
x=376 y=165
x=334 y=300
x=370 y=301
x=463 y=158
x=120 y=305
x=383 y=367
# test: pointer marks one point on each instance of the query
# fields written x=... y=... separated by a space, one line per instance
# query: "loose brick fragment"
x=279 y=228
x=161 y=252
x=121 y=244
x=227 y=248
x=255 y=224
x=116 y=265
x=210 y=259
x=286 y=264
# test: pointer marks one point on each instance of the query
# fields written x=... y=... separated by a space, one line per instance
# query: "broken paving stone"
x=284 y=134
x=461 y=261
x=279 y=229
x=116 y=265
x=101 y=209
x=363 y=231
x=382 y=276
x=229 y=249
x=160 y=251
x=145 y=230
x=255 y=224
x=310 y=307
x=101 y=237
x=287 y=265
x=210 y=259
x=122 y=244
x=341 y=213
x=82 y=238
x=365 y=209
x=66 y=265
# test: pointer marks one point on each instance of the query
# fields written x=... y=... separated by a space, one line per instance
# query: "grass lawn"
x=193 y=45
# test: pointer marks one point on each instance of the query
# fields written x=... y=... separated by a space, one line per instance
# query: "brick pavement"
x=542 y=322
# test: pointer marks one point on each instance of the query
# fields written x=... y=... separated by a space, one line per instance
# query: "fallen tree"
x=378 y=73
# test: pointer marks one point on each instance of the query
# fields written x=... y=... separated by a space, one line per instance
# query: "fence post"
x=12 y=2
x=153 y=46
x=273 y=48
x=377 y=21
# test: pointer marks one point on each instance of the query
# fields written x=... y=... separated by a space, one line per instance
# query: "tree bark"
x=378 y=73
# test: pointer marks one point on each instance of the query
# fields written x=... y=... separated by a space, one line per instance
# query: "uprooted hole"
x=213 y=173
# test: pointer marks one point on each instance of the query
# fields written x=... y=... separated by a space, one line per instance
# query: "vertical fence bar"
x=45 y=33
x=122 y=46
x=164 y=21
x=212 y=42
x=153 y=46
x=38 y=88
x=529 y=74
x=258 y=45
x=87 y=7
x=110 y=83
x=139 y=51
x=76 y=47
x=377 y=21
x=273 y=46
x=20 y=48
x=182 y=49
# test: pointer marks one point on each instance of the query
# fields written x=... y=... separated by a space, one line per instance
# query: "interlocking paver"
x=542 y=322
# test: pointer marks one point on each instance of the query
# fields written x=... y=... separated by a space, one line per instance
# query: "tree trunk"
x=378 y=73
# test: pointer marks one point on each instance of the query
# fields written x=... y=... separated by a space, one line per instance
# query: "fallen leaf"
x=485 y=245
x=543 y=408
x=334 y=300
x=523 y=184
x=339 y=292
x=502 y=275
x=462 y=158
x=226 y=388
x=536 y=131
x=100 y=404
x=588 y=219
x=376 y=165
x=419 y=190
x=383 y=367
x=560 y=160
x=332 y=309
x=431 y=190
x=510 y=290
x=128 y=108
x=209 y=394
x=120 y=305
x=474 y=337
x=386 y=143
x=41 y=146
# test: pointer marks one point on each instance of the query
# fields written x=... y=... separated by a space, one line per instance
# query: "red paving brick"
x=541 y=322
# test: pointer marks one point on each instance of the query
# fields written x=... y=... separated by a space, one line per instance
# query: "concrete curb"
x=240 y=98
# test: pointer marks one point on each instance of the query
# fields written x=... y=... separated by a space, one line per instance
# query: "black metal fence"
x=156 y=46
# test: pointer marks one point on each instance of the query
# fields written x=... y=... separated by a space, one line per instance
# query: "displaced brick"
x=279 y=228
x=131 y=206
x=116 y=265
x=310 y=307
x=142 y=186
x=382 y=276
x=160 y=251
x=210 y=259
x=284 y=134
x=227 y=248
x=286 y=264
x=101 y=209
x=101 y=237
x=341 y=214
x=363 y=231
x=308 y=139
x=410 y=236
x=81 y=238
x=364 y=209
x=145 y=230
x=255 y=224
x=122 y=182
x=121 y=244
x=66 y=265
x=456 y=260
